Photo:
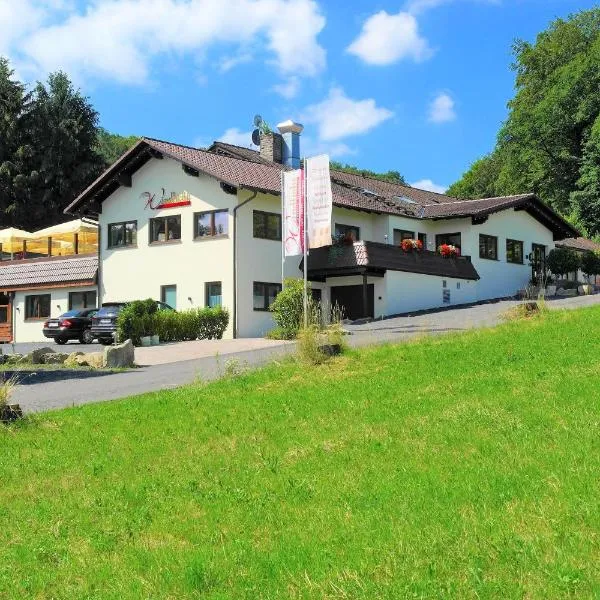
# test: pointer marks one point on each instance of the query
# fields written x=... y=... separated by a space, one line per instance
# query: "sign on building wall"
x=318 y=201
x=292 y=191
x=156 y=201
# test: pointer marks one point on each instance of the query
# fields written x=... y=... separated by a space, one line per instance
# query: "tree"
x=390 y=176
x=540 y=148
x=590 y=264
x=562 y=261
x=111 y=146
x=64 y=135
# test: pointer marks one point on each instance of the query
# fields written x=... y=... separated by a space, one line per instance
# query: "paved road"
x=40 y=397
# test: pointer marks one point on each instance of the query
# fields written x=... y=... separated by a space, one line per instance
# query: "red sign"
x=153 y=202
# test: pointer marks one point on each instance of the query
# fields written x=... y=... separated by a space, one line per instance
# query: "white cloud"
x=338 y=116
x=427 y=184
x=119 y=39
x=288 y=89
x=235 y=136
x=441 y=110
x=311 y=147
x=386 y=39
x=229 y=62
x=419 y=6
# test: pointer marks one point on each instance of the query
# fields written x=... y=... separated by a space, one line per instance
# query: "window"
x=37 y=307
x=402 y=234
x=165 y=229
x=264 y=294
x=453 y=239
x=122 y=235
x=423 y=239
x=168 y=295
x=214 y=295
x=514 y=252
x=267 y=226
x=81 y=300
x=488 y=247
x=343 y=232
x=211 y=223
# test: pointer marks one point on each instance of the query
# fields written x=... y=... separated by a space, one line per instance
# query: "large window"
x=168 y=295
x=514 y=252
x=37 y=307
x=81 y=300
x=121 y=235
x=214 y=295
x=347 y=232
x=211 y=223
x=165 y=229
x=266 y=226
x=488 y=247
x=264 y=294
x=453 y=239
x=402 y=234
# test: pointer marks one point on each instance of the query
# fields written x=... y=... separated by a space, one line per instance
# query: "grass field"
x=454 y=467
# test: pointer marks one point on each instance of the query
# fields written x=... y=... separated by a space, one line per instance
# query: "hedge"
x=141 y=318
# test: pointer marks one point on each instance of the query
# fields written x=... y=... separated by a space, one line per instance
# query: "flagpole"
x=282 y=229
x=305 y=245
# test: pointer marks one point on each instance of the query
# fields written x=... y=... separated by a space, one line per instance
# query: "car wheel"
x=60 y=341
x=86 y=337
x=105 y=341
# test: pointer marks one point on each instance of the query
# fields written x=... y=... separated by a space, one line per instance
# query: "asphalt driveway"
x=47 y=396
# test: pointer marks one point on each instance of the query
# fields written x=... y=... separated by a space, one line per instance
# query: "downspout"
x=235 y=210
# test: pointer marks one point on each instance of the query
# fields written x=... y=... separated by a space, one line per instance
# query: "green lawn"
x=464 y=466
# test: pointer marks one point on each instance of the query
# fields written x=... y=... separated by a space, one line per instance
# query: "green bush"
x=562 y=261
x=288 y=308
x=590 y=264
x=140 y=318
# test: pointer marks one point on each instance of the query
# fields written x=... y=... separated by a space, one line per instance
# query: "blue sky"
x=418 y=86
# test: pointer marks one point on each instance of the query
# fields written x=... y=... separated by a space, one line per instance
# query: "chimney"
x=271 y=145
x=290 y=133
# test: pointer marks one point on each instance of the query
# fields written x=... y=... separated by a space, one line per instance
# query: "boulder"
x=80 y=359
x=566 y=293
x=54 y=358
x=10 y=413
x=120 y=355
x=36 y=356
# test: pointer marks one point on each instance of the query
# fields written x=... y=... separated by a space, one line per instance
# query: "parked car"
x=72 y=325
x=104 y=322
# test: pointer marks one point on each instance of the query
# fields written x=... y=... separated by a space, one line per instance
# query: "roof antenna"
x=258 y=122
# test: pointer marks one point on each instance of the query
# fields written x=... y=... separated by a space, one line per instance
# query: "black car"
x=72 y=325
x=104 y=323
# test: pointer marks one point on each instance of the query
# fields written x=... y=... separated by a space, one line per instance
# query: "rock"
x=79 y=359
x=566 y=293
x=119 y=356
x=10 y=412
x=55 y=358
x=36 y=356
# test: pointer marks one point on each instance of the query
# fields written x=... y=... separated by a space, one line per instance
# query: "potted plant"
x=147 y=329
x=449 y=251
x=409 y=245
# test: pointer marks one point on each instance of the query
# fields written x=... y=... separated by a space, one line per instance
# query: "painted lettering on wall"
x=156 y=201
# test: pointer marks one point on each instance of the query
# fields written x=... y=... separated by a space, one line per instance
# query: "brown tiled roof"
x=23 y=274
x=331 y=261
x=244 y=168
x=579 y=243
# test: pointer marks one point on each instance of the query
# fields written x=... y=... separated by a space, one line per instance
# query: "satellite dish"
x=257 y=120
x=256 y=137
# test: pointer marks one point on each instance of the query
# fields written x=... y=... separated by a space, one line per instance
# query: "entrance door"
x=5 y=318
x=538 y=263
x=350 y=299
x=168 y=295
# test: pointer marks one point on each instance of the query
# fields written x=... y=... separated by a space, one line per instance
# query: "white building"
x=198 y=227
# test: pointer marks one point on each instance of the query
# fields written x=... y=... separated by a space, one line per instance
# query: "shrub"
x=590 y=263
x=562 y=261
x=288 y=308
x=136 y=320
x=309 y=345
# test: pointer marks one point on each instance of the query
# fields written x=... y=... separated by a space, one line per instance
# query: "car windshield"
x=71 y=313
x=109 y=311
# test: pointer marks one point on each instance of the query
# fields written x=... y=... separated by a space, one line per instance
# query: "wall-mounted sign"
x=156 y=202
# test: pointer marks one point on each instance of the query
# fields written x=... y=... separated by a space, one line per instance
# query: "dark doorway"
x=350 y=299
x=5 y=318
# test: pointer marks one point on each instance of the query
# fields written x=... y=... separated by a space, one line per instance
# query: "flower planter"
x=551 y=290
x=10 y=413
x=146 y=340
x=155 y=340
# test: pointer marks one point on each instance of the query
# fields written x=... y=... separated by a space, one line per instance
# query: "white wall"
x=139 y=272
x=31 y=330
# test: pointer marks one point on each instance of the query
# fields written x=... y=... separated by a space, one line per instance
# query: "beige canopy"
x=12 y=239
x=64 y=233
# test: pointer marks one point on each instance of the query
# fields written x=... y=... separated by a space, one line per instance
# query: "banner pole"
x=304 y=176
x=282 y=229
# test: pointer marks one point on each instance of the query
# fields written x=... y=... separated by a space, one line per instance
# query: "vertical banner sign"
x=318 y=201
x=293 y=212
